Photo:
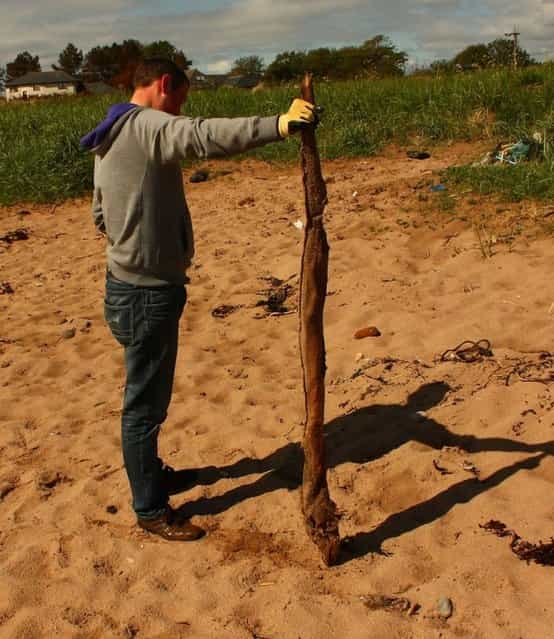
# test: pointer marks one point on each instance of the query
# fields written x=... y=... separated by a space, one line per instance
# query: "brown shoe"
x=171 y=528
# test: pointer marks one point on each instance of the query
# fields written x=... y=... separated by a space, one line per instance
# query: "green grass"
x=40 y=159
x=513 y=183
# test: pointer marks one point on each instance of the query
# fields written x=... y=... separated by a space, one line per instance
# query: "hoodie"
x=139 y=200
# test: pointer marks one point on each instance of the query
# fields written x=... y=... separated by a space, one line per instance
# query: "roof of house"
x=198 y=79
x=42 y=77
x=244 y=81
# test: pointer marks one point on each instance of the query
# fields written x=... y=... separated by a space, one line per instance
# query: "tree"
x=321 y=62
x=22 y=64
x=116 y=63
x=474 y=56
x=128 y=56
x=248 y=65
x=70 y=59
x=108 y=61
x=287 y=66
x=498 y=53
x=128 y=53
x=102 y=62
x=382 y=58
x=2 y=78
x=164 y=49
x=377 y=57
x=349 y=63
x=501 y=54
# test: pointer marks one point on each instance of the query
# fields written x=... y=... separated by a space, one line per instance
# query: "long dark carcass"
x=318 y=509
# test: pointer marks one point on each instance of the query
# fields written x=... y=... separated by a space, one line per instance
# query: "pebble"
x=445 y=608
x=359 y=357
x=69 y=333
x=370 y=331
x=86 y=327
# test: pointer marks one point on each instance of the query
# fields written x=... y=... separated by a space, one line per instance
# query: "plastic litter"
x=515 y=152
x=199 y=176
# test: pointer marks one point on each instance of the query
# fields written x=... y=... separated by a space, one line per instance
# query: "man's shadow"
x=361 y=437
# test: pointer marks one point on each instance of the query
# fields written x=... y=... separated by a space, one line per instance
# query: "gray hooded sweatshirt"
x=139 y=200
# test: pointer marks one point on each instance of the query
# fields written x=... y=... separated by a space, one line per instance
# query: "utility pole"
x=515 y=35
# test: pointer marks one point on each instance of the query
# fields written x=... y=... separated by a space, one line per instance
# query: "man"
x=139 y=203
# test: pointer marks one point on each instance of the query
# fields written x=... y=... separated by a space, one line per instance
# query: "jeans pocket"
x=164 y=306
x=159 y=318
x=120 y=321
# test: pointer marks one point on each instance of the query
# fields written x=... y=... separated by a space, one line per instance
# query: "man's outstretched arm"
x=179 y=138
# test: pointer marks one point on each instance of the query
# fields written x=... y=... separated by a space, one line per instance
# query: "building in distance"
x=41 y=84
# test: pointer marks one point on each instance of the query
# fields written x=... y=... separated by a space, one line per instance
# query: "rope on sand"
x=468 y=351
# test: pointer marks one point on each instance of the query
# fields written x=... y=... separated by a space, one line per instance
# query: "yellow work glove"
x=300 y=114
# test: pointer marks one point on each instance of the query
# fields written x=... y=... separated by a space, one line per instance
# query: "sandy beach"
x=424 y=448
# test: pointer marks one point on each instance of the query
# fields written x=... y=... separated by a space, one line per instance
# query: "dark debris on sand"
x=224 y=310
x=15 y=236
x=275 y=296
x=541 y=553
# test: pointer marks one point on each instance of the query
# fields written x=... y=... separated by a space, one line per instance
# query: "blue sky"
x=213 y=33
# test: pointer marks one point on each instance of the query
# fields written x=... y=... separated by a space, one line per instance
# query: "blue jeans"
x=145 y=320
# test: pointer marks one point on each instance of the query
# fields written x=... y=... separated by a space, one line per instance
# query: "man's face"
x=168 y=99
x=174 y=100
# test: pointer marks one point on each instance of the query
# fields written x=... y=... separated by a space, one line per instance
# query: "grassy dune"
x=40 y=159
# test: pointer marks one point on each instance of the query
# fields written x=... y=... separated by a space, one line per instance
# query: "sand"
x=422 y=452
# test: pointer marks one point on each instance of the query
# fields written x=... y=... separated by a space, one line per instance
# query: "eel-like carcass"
x=319 y=511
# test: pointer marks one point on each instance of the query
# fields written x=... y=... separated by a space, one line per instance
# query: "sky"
x=214 y=33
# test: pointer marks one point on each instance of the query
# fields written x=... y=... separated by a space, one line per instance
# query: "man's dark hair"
x=151 y=69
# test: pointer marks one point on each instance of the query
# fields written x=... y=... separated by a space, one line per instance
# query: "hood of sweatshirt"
x=102 y=136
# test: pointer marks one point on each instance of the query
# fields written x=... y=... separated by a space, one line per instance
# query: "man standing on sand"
x=139 y=203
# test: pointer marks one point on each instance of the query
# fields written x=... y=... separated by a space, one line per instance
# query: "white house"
x=40 y=84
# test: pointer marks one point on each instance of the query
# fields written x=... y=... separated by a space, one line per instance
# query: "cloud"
x=217 y=31
x=221 y=66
